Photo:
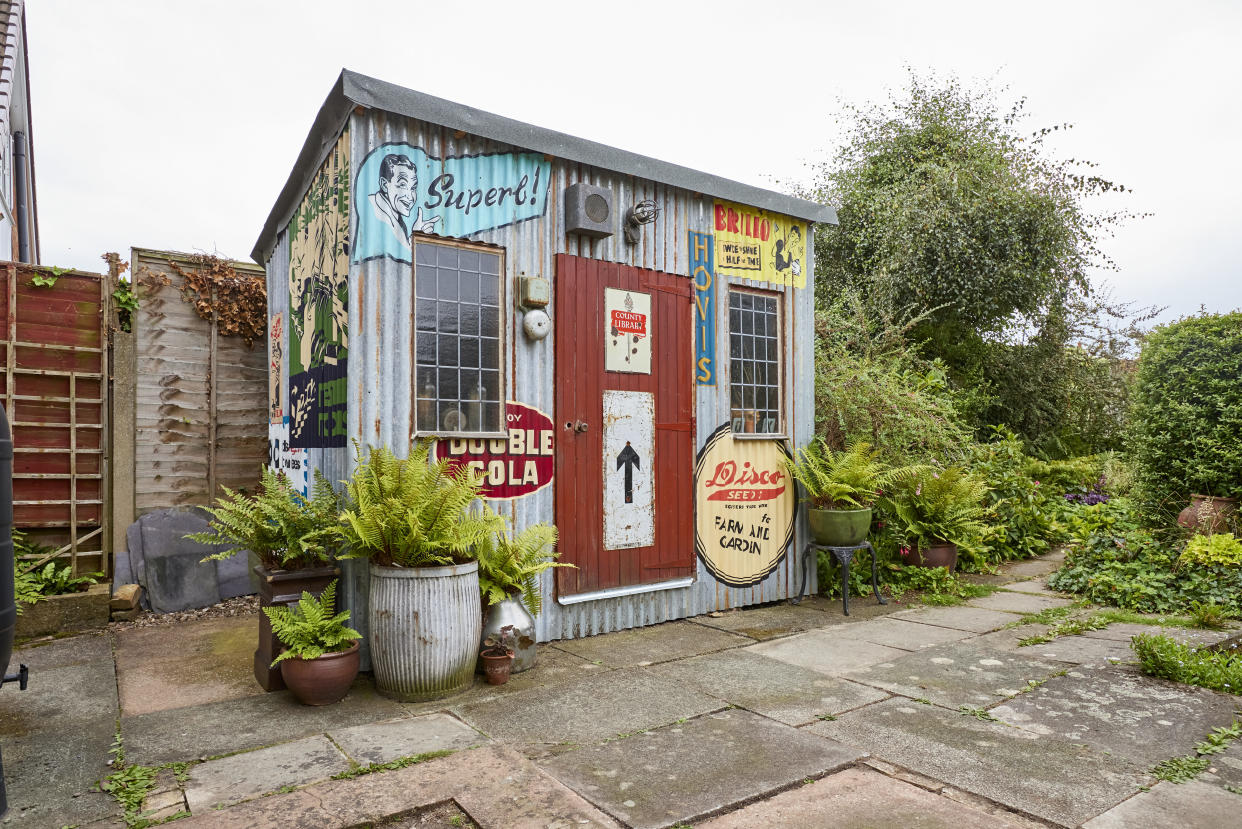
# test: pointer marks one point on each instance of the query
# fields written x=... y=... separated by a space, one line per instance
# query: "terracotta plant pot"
x=1207 y=514
x=512 y=612
x=496 y=667
x=940 y=554
x=839 y=527
x=321 y=681
x=282 y=587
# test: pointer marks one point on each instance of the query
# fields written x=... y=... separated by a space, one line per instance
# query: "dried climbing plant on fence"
x=237 y=302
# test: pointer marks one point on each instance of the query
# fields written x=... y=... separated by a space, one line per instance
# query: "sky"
x=174 y=125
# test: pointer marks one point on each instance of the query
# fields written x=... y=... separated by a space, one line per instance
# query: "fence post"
x=122 y=425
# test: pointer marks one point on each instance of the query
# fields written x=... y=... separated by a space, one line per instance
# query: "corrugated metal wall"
x=381 y=353
x=201 y=400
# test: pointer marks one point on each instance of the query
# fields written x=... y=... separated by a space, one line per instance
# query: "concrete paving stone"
x=592 y=709
x=682 y=772
x=857 y=799
x=1124 y=631
x=957 y=674
x=861 y=607
x=42 y=655
x=1049 y=778
x=786 y=693
x=1081 y=650
x=240 y=777
x=383 y=742
x=1193 y=804
x=825 y=651
x=959 y=617
x=904 y=634
x=495 y=786
x=1038 y=586
x=1142 y=719
x=1018 y=602
x=250 y=722
x=177 y=666
x=1033 y=567
x=1226 y=768
x=769 y=621
x=646 y=646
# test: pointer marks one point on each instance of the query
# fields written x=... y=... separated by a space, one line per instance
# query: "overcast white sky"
x=174 y=125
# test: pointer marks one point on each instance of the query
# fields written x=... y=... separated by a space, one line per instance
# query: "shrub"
x=1023 y=510
x=1222 y=549
x=1185 y=431
x=933 y=506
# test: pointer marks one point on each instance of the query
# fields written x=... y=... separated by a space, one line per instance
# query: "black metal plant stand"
x=844 y=555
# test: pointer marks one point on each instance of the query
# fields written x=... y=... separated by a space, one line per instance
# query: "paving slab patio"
x=1082 y=650
x=658 y=643
x=681 y=772
x=825 y=651
x=858 y=798
x=786 y=693
x=957 y=674
x=1049 y=778
x=240 y=777
x=768 y=621
x=1124 y=713
x=383 y=742
x=1017 y=602
x=959 y=617
x=1038 y=586
x=904 y=634
x=1125 y=631
x=1192 y=804
x=1226 y=768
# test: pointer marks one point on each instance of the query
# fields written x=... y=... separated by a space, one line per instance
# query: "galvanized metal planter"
x=425 y=624
x=511 y=611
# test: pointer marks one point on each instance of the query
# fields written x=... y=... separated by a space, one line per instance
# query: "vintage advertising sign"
x=513 y=467
x=275 y=358
x=755 y=244
x=285 y=459
x=627 y=331
x=401 y=189
x=744 y=507
x=702 y=274
x=629 y=469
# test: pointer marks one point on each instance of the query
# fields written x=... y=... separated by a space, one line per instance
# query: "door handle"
x=581 y=426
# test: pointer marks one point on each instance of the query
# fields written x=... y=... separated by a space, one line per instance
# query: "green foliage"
x=1179 y=769
x=1068 y=627
x=129 y=787
x=977 y=713
x=511 y=564
x=126 y=304
x=1211 y=616
x=1185 y=433
x=413 y=512
x=286 y=530
x=1022 y=511
x=1219 y=739
x=1220 y=549
x=312 y=627
x=51 y=580
x=934 y=506
x=50 y=278
x=851 y=478
x=936 y=585
x=25 y=587
x=1166 y=658
x=393 y=765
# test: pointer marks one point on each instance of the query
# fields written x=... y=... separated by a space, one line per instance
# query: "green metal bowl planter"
x=839 y=489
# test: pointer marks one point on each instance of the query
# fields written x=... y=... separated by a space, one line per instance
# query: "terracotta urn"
x=1208 y=514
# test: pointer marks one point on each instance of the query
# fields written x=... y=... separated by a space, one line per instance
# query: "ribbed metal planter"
x=425 y=624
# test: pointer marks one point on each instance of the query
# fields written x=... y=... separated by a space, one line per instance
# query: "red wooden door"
x=581 y=381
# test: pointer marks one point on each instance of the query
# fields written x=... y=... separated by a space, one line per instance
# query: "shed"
x=623 y=346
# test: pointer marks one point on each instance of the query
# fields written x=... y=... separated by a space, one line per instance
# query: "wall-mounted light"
x=643 y=213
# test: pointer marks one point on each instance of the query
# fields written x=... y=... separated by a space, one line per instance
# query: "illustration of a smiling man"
x=396 y=197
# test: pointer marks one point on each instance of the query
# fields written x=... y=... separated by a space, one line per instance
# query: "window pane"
x=470 y=319
x=755 y=392
x=491 y=385
x=425 y=313
x=748 y=322
x=427 y=349
x=448 y=317
x=426 y=254
x=469 y=352
x=489 y=263
x=447 y=284
x=489 y=353
x=489 y=290
x=468 y=260
x=490 y=322
x=447 y=388
x=470 y=389
x=448 y=351
x=446 y=256
x=469 y=286
x=491 y=417
x=425 y=278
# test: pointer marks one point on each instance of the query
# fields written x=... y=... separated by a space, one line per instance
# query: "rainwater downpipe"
x=19 y=184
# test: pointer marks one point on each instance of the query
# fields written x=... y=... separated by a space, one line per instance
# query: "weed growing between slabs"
x=1162 y=657
x=1187 y=768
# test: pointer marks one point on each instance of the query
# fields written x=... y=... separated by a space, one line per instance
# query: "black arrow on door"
x=629 y=459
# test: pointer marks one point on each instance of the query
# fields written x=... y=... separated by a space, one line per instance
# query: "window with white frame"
x=458 y=376
x=755 y=362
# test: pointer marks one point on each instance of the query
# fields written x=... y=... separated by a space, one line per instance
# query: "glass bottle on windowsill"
x=427 y=406
x=750 y=420
x=474 y=408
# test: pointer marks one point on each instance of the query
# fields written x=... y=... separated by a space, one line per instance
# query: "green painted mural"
x=318 y=319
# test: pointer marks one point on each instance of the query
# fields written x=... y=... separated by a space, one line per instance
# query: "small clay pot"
x=941 y=554
x=1207 y=514
x=496 y=667
x=324 y=680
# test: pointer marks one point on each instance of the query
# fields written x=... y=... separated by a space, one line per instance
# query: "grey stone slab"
x=957 y=675
x=170 y=566
x=768 y=621
x=1226 y=768
x=1192 y=804
x=1042 y=776
x=383 y=742
x=62 y=653
x=243 y=776
x=594 y=708
x=1125 y=631
x=1038 y=587
x=679 y=773
x=1034 y=567
x=249 y=722
x=784 y=692
x=1018 y=602
x=826 y=652
x=646 y=646
x=1124 y=713
x=1082 y=650
x=904 y=634
x=858 y=798
x=959 y=617
x=235 y=575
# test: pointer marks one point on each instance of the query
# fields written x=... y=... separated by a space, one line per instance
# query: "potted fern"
x=416 y=521
x=320 y=659
x=509 y=568
x=936 y=509
x=295 y=539
x=840 y=489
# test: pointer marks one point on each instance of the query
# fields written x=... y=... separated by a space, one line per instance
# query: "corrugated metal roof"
x=352 y=88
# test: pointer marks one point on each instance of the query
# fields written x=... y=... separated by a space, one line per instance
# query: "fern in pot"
x=417 y=522
x=840 y=487
x=509 y=569
x=295 y=538
x=320 y=659
x=936 y=510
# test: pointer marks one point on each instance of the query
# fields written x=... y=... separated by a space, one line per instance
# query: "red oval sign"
x=512 y=467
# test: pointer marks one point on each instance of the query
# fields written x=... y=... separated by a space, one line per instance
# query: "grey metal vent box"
x=588 y=210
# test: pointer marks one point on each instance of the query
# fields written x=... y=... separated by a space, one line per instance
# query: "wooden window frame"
x=782 y=432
